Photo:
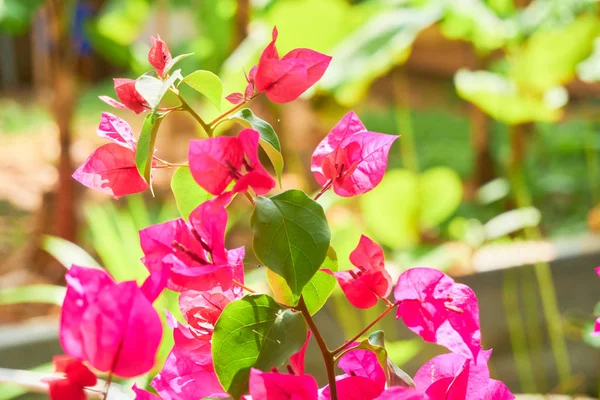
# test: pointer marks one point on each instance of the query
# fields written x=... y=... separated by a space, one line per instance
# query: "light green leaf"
x=175 y=60
x=502 y=99
x=373 y=50
x=50 y=294
x=397 y=194
x=268 y=138
x=441 y=191
x=188 y=194
x=254 y=332
x=291 y=237
x=315 y=293
x=67 y=253
x=153 y=89
x=16 y=15
x=144 y=151
x=208 y=84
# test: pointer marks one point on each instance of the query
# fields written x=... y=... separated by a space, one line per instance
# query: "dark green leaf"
x=16 y=15
x=145 y=146
x=50 y=294
x=188 y=194
x=315 y=293
x=67 y=253
x=268 y=138
x=291 y=236
x=208 y=84
x=254 y=332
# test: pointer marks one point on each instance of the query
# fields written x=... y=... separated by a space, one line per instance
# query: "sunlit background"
x=495 y=179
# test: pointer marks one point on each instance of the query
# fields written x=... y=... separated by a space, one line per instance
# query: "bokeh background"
x=495 y=179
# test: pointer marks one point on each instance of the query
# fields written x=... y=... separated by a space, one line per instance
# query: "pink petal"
x=235 y=258
x=402 y=393
x=363 y=363
x=129 y=96
x=286 y=79
x=212 y=160
x=202 y=309
x=596 y=331
x=258 y=178
x=111 y=169
x=235 y=98
x=141 y=394
x=367 y=255
x=249 y=91
x=365 y=290
x=209 y=219
x=112 y=102
x=63 y=389
x=276 y=386
x=497 y=390
x=188 y=373
x=353 y=387
x=297 y=359
x=439 y=310
x=159 y=55
x=112 y=326
x=598 y=271
x=204 y=277
x=114 y=128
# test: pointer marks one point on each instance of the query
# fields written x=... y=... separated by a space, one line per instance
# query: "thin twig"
x=324 y=189
x=213 y=124
x=186 y=107
x=239 y=284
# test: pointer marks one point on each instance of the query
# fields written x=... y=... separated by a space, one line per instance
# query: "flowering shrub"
x=234 y=342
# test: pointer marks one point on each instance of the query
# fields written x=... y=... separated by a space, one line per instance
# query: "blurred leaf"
x=397 y=194
x=268 y=138
x=589 y=69
x=175 y=60
x=10 y=391
x=153 y=89
x=50 y=294
x=188 y=194
x=440 y=191
x=550 y=56
x=512 y=221
x=208 y=84
x=16 y=15
x=122 y=21
x=593 y=341
x=402 y=351
x=501 y=98
x=67 y=253
x=315 y=293
x=144 y=151
x=373 y=50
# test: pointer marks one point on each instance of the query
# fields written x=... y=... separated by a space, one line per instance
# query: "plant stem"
x=327 y=355
x=408 y=148
x=323 y=190
x=213 y=124
x=239 y=284
x=186 y=107
x=364 y=330
x=249 y=197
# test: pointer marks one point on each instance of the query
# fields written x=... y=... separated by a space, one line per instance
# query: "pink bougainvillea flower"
x=111 y=168
x=159 y=55
x=141 y=394
x=129 y=97
x=188 y=373
x=192 y=256
x=364 y=363
x=350 y=158
x=439 y=310
x=452 y=376
x=402 y=393
x=364 y=286
x=353 y=387
x=76 y=378
x=284 y=79
x=297 y=359
x=276 y=386
x=239 y=98
x=112 y=326
x=202 y=309
x=216 y=162
x=596 y=331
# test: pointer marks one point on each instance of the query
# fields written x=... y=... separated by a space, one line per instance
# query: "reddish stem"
x=324 y=189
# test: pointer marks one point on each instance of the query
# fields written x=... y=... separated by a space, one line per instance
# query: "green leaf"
x=374 y=49
x=67 y=253
x=398 y=226
x=268 y=138
x=254 y=332
x=175 y=60
x=502 y=99
x=153 y=90
x=16 y=15
x=291 y=236
x=50 y=294
x=145 y=146
x=12 y=390
x=433 y=183
x=188 y=194
x=315 y=293
x=208 y=84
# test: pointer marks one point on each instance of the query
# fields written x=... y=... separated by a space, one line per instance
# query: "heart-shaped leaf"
x=291 y=237
x=208 y=84
x=315 y=293
x=254 y=332
x=268 y=138
x=188 y=194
